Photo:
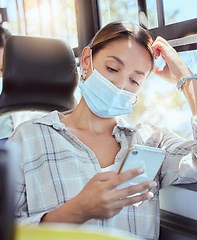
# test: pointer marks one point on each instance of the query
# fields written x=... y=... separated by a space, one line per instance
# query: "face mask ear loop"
x=91 y=59
x=136 y=98
x=81 y=73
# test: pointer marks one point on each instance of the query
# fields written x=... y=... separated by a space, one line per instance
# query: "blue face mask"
x=103 y=98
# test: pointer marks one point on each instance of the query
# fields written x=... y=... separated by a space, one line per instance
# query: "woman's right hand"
x=100 y=198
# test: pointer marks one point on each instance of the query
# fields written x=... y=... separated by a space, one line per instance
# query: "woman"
x=70 y=163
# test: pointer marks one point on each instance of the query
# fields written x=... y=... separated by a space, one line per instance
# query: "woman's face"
x=125 y=63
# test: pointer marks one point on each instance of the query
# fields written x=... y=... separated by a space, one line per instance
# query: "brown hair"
x=121 y=30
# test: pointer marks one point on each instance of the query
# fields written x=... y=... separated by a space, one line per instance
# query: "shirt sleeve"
x=194 y=127
x=22 y=213
x=180 y=165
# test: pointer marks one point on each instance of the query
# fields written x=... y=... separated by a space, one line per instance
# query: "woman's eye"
x=112 y=69
x=134 y=82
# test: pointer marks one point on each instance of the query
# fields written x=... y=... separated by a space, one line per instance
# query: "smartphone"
x=150 y=158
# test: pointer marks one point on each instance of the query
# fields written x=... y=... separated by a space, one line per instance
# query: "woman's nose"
x=120 y=83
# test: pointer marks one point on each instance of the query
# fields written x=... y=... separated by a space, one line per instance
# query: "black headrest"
x=38 y=74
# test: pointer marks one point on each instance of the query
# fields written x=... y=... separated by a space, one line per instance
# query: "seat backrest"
x=38 y=74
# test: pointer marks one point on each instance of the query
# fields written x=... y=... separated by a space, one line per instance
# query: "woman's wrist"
x=185 y=81
x=189 y=89
x=187 y=84
x=69 y=212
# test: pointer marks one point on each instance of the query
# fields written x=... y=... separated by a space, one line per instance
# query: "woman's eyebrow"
x=117 y=59
x=140 y=72
x=121 y=62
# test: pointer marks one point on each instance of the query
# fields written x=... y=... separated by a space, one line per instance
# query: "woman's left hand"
x=174 y=68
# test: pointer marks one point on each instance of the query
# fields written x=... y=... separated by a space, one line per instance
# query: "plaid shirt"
x=56 y=165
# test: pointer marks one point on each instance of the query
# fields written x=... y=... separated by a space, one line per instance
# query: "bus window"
x=43 y=18
x=152 y=17
x=47 y=18
x=176 y=11
x=115 y=10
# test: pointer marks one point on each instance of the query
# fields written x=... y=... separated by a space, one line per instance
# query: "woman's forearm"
x=69 y=212
x=189 y=89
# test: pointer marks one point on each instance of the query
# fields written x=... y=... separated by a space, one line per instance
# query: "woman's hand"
x=174 y=68
x=100 y=198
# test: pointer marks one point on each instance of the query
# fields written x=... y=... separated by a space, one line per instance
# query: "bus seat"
x=38 y=74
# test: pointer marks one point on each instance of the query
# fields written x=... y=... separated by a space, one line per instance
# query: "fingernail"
x=152 y=184
x=140 y=170
x=149 y=195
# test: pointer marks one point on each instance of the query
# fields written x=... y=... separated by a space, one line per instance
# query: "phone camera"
x=135 y=152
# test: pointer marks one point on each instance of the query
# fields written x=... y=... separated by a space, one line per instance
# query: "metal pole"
x=142 y=14
x=160 y=13
x=87 y=21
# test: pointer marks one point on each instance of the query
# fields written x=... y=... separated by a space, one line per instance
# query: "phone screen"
x=150 y=158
